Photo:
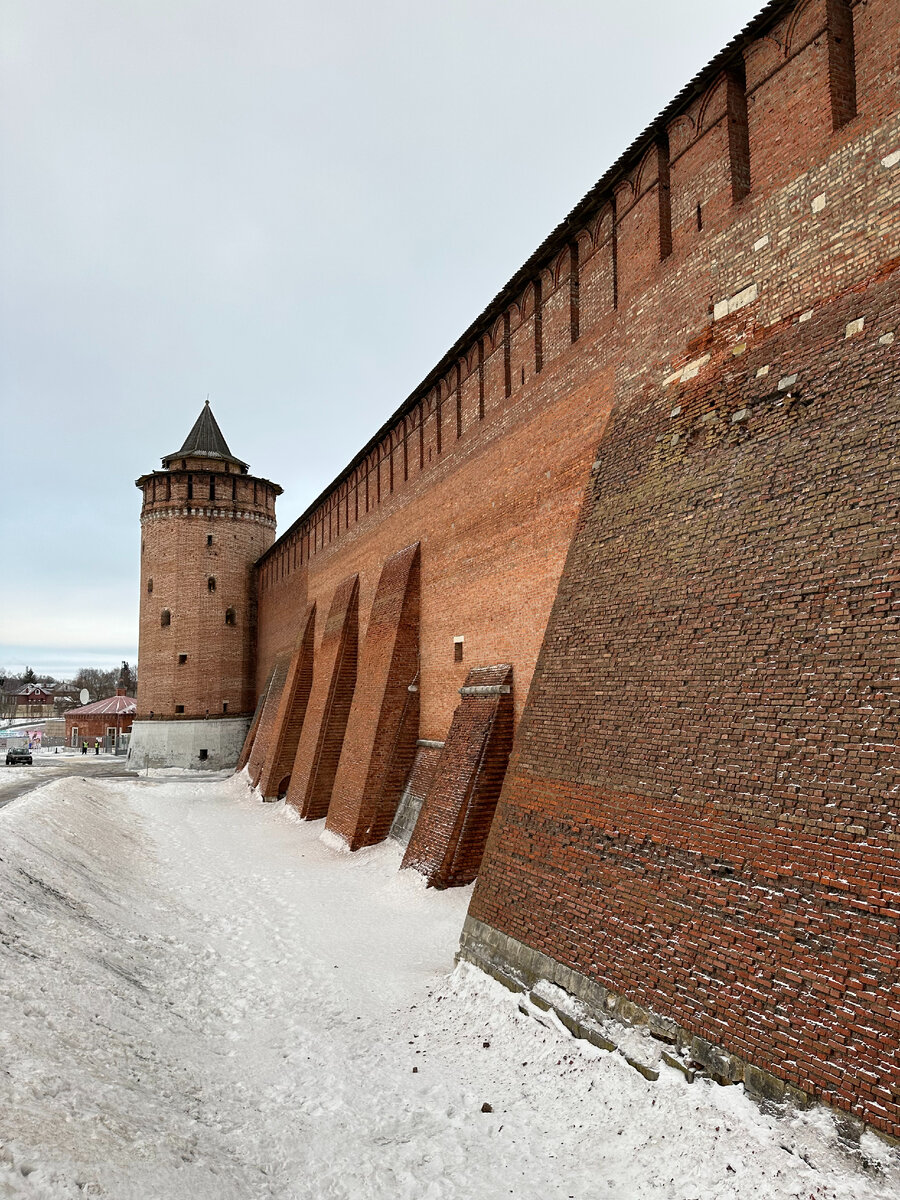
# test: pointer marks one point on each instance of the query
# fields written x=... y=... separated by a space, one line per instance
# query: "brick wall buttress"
x=425 y=764
x=449 y=838
x=263 y=740
x=291 y=712
x=247 y=748
x=380 y=743
x=334 y=680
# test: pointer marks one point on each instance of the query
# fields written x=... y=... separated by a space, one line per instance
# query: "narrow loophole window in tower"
x=211 y=583
x=457 y=649
x=149 y=586
x=165 y=617
x=230 y=616
x=841 y=61
x=182 y=659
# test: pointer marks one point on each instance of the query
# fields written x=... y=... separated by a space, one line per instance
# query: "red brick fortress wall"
x=493 y=514
x=701 y=810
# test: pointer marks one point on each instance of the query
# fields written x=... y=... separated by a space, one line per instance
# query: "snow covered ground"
x=48 y=764
x=203 y=999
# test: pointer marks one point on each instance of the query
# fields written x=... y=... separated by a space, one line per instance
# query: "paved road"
x=16 y=781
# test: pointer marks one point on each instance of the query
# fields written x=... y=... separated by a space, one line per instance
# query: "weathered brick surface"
x=334 y=678
x=702 y=813
x=380 y=742
x=289 y=717
x=449 y=837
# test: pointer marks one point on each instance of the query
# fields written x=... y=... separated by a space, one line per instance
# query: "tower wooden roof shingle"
x=205 y=440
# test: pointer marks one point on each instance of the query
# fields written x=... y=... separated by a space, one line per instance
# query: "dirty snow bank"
x=199 y=998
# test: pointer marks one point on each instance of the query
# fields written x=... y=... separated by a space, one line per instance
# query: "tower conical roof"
x=205 y=440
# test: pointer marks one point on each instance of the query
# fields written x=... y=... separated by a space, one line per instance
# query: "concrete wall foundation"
x=201 y=745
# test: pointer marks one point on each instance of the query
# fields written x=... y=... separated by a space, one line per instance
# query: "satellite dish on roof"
x=84 y=695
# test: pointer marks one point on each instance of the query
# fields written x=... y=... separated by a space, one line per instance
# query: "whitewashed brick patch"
x=744 y=297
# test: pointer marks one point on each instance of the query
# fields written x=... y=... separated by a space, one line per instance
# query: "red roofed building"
x=104 y=719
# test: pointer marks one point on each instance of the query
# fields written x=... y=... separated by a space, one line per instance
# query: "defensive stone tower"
x=204 y=522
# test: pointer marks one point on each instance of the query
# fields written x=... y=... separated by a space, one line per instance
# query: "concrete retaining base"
x=210 y=745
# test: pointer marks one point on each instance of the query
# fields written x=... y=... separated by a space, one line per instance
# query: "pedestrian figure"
x=96 y=745
x=84 y=746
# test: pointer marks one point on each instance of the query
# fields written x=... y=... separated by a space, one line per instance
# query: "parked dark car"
x=18 y=758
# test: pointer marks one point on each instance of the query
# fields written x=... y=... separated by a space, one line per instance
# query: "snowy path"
x=200 y=998
x=16 y=781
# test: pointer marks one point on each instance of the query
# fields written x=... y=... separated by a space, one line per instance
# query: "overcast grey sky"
x=293 y=207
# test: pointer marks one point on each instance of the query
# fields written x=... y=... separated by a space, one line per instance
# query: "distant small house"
x=32 y=695
x=104 y=719
x=35 y=700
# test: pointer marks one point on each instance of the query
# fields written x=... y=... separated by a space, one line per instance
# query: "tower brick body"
x=204 y=522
